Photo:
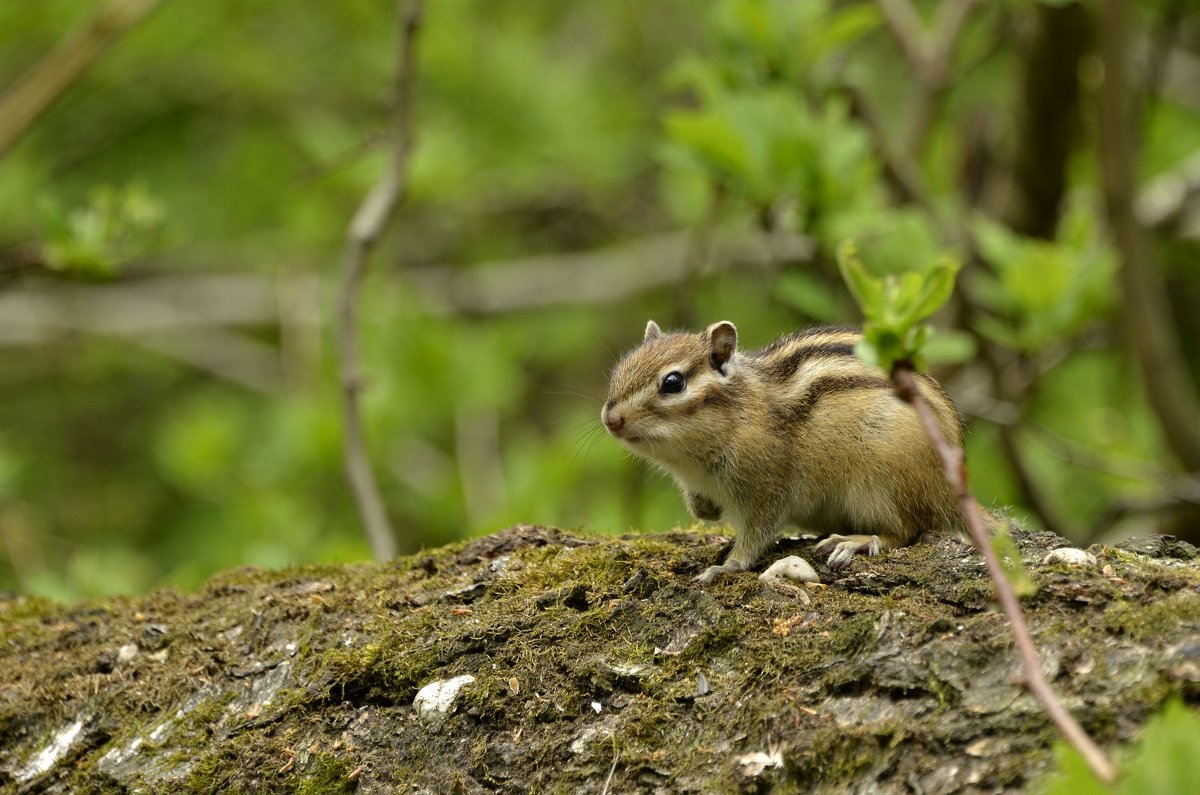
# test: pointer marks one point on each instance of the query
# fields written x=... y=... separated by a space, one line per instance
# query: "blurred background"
x=173 y=217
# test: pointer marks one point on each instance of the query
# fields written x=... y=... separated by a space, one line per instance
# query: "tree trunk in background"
x=1048 y=105
x=1148 y=320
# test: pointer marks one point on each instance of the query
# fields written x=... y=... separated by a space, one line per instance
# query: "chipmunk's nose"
x=613 y=420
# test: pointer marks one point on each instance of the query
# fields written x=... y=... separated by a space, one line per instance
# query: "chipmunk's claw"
x=712 y=572
x=846 y=547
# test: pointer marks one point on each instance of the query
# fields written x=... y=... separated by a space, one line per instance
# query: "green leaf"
x=1073 y=776
x=713 y=139
x=868 y=291
x=949 y=347
x=1166 y=760
x=1013 y=565
x=936 y=287
x=865 y=350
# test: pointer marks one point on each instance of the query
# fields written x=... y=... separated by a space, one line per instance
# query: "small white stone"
x=434 y=700
x=596 y=706
x=751 y=766
x=1070 y=556
x=127 y=652
x=791 y=568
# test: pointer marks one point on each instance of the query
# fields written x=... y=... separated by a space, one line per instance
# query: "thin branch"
x=908 y=30
x=480 y=463
x=929 y=52
x=236 y=358
x=1030 y=491
x=900 y=171
x=43 y=311
x=1120 y=510
x=1148 y=321
x=58 y=69
x=1179 y=488
x=600 y=275
x=955 y=469
x=187 y=319
x=1018 y=395
x=367 y=226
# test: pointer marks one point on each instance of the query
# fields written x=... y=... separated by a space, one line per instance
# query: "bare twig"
x=43 y=312
x=45 y=82
x=1030 y=491
x=1119 y=511
x=612 y=770
x=1147 y=311
x=367 y=226
x=907 y=28
x=900 y=171
x=1178 y=488
x=480 y=463
x=929 y=52
x=189 y=319
x=1017 y=395
x=600 y=275
x=953 y=464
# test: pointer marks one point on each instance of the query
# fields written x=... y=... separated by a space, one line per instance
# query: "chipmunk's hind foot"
x=846 y=547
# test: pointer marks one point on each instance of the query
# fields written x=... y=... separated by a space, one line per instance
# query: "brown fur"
x=800 y=432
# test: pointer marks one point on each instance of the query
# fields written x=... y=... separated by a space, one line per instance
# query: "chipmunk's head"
x=674 y=391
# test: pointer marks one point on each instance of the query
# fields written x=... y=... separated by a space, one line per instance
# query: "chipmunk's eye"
x=671 y=383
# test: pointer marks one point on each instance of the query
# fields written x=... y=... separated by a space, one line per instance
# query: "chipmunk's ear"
x=653 y=332
x=722 y=343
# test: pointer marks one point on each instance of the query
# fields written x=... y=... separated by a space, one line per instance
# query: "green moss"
x=325 y=774
x=832 y=754
x=1159 y=619
x=209 y=711
x=854 y=634
x=25 y=607
x=212 y=773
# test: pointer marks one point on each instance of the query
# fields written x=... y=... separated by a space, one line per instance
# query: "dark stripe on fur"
x=787 y=340
x=802 y=409
x=783 y=369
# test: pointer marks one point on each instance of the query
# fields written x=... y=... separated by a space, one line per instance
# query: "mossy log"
x=596 y=665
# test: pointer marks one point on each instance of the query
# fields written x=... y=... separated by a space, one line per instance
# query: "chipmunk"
x=801 y=432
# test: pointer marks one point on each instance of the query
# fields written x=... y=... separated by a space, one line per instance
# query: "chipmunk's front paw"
x=712 y=572
x=846 y=547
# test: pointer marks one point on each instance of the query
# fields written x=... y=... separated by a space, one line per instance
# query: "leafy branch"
x=893 y=336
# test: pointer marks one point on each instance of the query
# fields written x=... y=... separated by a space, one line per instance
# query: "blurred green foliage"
x=238 y=138
x=1164 y=760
